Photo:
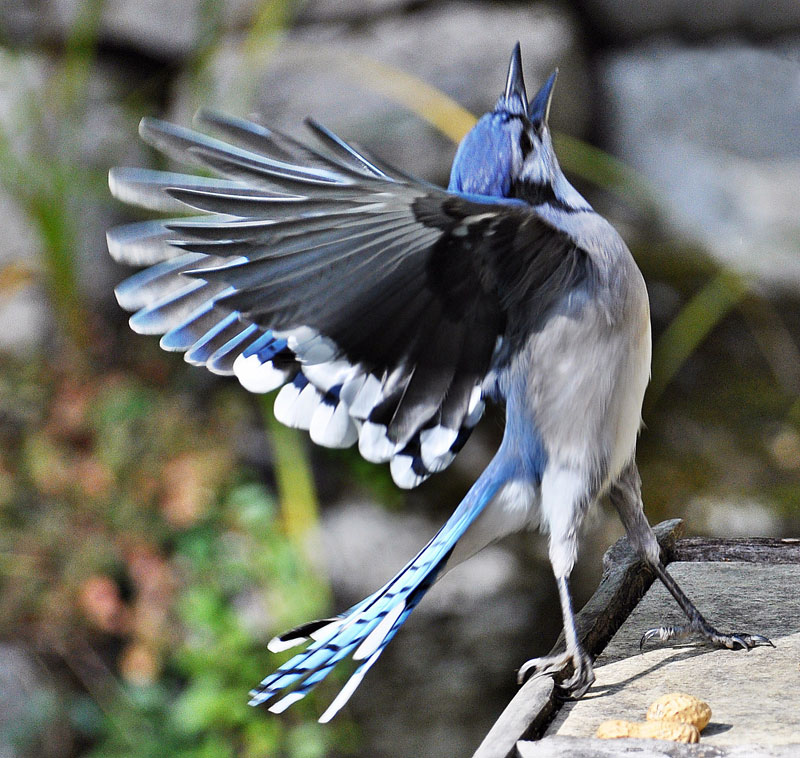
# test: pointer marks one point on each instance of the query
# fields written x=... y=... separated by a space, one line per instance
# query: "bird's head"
x=510 y=147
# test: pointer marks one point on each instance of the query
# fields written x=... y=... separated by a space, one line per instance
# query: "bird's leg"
x=626 y=497
x=565 y=498
x=582 y=670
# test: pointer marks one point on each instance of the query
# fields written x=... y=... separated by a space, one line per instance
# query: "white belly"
x=628 y=413
x=586 y=378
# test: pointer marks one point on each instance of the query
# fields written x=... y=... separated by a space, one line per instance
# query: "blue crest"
x=482 y=165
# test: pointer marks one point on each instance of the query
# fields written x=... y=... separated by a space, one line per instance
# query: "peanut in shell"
x=675 y=731
x=680 y=707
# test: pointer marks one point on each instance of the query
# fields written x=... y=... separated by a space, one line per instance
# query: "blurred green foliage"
x=130 y=535
x=136 y=556
x=42 y=175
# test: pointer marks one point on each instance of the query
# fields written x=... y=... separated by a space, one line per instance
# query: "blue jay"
x=388 y=310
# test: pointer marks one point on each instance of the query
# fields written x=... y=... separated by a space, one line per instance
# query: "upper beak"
x=539 y=109
x=515 y=84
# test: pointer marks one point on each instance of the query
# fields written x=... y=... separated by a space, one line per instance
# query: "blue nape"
x=482 y=165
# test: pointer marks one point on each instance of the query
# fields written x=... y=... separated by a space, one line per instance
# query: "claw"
x=573 y=687
x=735 y=641
x=749 y=641
x=760 y=639
x=527 y=671
x=665 y=633
x=578 y=684
x=537 y=667
x=697 y=624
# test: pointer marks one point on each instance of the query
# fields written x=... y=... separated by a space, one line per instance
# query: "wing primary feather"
x=281 y=176
x=163 y=314
x=221 y=362
x=145 y=187
x=208 y=344
x=154 y=283
x=375 y=166
x=299 y=258
x=188 y=145
x=256 y=204
x=340 y=148
x=266 y=230
x=181 y=337
x=262 y=139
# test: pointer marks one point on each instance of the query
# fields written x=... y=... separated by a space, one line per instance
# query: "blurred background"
x=157 y=526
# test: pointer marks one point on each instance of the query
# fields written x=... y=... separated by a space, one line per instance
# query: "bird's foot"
x=697 y=624
x=559 y=666
x=734 y=641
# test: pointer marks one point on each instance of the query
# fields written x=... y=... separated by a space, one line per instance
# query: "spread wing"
x=382 y=305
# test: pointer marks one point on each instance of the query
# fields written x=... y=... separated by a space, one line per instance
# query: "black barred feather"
x=364 y=631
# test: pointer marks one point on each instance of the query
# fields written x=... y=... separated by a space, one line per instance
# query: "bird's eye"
x=525 y=143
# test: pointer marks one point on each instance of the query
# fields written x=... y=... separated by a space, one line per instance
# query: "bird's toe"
x=544 y=666
x=571 y=685
x=733 y=641
x=582 y=678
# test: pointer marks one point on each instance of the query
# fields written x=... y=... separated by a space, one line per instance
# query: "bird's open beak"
x=539 y=108
x=515 y=84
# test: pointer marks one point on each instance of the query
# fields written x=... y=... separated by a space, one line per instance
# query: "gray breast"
x=584 y=371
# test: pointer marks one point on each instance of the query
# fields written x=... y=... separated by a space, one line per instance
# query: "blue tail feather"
x=364 y=631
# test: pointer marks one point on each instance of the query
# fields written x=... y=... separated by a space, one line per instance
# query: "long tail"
x=366 y=629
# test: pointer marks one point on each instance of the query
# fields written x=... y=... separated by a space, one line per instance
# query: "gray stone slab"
x=315 y=11
x=627 y=19
x=754 y=696
x=101 y=133
x=713 y=129
x=161 y=29
x=583 y=747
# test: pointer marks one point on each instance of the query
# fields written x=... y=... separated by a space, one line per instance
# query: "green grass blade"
x=691 y=326
x=296 y=490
